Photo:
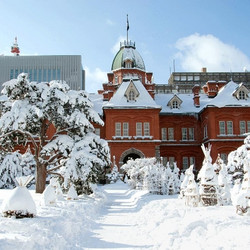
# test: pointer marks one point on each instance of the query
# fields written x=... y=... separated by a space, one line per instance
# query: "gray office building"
x=44 y=69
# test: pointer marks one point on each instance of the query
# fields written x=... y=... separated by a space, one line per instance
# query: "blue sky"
x=195 y=33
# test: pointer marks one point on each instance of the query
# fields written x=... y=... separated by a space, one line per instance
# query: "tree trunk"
x=41 y=174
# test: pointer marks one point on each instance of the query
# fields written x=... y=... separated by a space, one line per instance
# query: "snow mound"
x=19 y=204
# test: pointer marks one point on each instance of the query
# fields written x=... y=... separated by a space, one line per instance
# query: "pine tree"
x=31 y=109
x=208 y=180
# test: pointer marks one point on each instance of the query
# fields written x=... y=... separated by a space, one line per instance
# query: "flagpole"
x=127 y=28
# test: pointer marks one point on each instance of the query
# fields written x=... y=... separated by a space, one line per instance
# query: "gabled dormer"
x=241 y=93
x=175 y=102
x=131 y=92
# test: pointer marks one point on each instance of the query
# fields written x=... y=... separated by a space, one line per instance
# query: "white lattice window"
x=164 y=134
x=242 y=127
x=125 y=129
x=138 y=129
x=117 y=129
x=170 y=134
x=146 y=127
x=222 y=127
x=229 y=127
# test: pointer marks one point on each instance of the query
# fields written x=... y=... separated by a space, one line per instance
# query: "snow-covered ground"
x=125 y=219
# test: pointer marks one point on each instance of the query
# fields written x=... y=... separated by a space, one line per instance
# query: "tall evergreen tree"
x=30 y=109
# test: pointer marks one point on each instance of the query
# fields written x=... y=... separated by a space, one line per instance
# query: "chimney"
x=204 y=70
x=196 y=98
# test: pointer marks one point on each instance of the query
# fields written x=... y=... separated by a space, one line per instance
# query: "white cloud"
x=94 y=79
x=116 y=46
x=197 y=51
x=110 y=22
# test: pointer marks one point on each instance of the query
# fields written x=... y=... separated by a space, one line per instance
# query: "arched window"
x=131 y=95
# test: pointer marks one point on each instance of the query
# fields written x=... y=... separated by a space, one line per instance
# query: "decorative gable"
x=241 y=93
x=131 y=92
x=175 y=102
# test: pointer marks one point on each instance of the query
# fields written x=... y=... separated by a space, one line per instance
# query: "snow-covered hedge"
x=151 y=175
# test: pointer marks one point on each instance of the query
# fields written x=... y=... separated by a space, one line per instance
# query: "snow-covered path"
x=125 y=219
x=117 y=225
x=133 y=219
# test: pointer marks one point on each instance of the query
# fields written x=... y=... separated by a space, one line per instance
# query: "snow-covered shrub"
x=114 y=175
x=15 y=165
x=72 y=194
x=20 y=203
x=224 y=186
x=191 y=191
x=151 y=175
x=49 y=196
x=208 y=189
x=243 y=198
x=134 y=170
x=236 y=160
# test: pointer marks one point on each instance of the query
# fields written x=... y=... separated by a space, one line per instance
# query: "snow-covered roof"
x=97 y=100
x=128 y=53
x=143 y=100
x=224 y=98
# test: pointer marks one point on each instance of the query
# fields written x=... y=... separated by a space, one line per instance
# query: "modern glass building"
x=44 y=69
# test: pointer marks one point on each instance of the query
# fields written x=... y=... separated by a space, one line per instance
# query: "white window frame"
x=230 y=130
x=185 y=163
x=242 y=125
x=184 y=134
x=131 y=95
x=242 y=95
x=170 y=134
x=164 y=134
x=248 y=126
x=139 y=129
x=175 y=104
x=146 y=128
x=222 y=127
x=118 y=129
x=191 y=134
x=125 y=129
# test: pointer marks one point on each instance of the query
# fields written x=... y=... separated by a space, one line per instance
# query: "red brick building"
x=140 y=123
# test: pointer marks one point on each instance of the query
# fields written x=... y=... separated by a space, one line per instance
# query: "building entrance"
x=130 y=156
x=131 y=153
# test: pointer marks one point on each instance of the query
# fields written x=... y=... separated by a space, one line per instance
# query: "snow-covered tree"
x=191 y=192
x=151 y=175
x=236 y=160
x=113 y=176
x=224 y=186
x=14 y=165
x=208 y=180
x=243 y=198
x=176 y=178
x=31 y=109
